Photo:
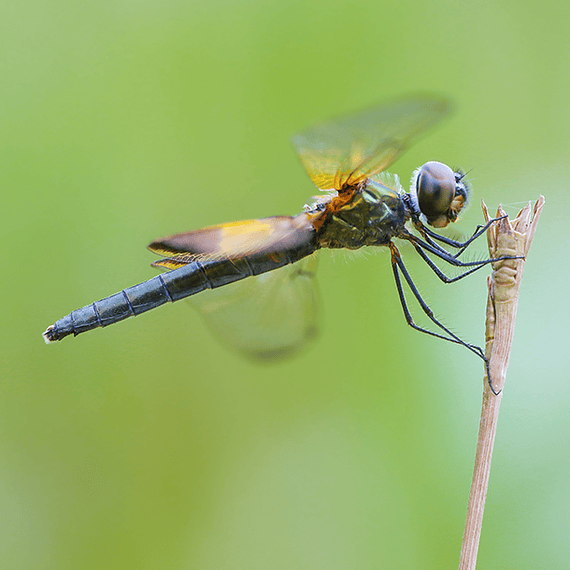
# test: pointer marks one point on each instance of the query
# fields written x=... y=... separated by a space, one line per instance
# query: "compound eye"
x=436 y=191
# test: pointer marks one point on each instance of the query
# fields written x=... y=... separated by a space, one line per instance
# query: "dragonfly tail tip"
x=49 y=335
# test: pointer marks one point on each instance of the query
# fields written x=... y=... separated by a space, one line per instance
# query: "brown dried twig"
x=505 y=238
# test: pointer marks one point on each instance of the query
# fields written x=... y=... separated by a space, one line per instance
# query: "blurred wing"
x=348 y=150
x=233 y=240
x=266 y=317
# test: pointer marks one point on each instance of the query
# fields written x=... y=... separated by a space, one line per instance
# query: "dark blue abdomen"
x=172 y=286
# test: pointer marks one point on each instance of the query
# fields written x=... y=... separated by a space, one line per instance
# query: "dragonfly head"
x=438 y=193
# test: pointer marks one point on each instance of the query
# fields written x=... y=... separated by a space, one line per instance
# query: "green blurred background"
x=147 y=445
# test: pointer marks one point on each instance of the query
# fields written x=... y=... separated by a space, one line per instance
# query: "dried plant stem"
x=513 y=239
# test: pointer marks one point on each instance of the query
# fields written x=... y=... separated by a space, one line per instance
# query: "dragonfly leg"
x=399 y=267
x=428 y=234
x=446 y=256
x=462 y=245
x=479 y=230
x=442 y=276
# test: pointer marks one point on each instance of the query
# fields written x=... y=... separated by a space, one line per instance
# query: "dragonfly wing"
x=234 y=240
x=347 y=150
x=266 y=317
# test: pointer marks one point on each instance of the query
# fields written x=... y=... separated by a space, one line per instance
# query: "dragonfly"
x=274 y=311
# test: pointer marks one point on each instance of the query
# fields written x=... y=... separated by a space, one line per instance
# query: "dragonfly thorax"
x=374 y=214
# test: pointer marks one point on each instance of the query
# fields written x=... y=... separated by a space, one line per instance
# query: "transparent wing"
x=266 y=317
x=347 y=150
x=233 y=240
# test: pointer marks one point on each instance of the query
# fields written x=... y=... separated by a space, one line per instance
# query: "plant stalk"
x=512 y=239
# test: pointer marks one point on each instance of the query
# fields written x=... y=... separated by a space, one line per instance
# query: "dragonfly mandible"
x=361 y=206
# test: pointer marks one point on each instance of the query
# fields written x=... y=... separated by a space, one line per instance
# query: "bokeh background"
x=148 y=445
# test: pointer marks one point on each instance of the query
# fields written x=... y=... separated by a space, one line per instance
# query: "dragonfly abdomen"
x=172 y=286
